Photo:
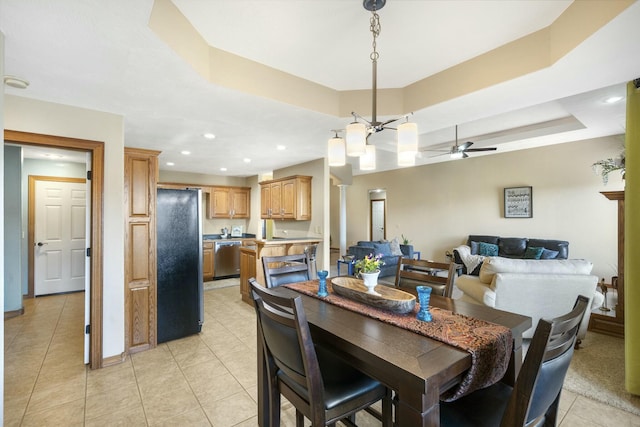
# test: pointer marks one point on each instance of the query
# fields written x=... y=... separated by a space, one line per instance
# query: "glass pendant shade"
x=408 y=138
x=406 y=159
x=336 y=152
x=356 y=139
x=368 y=159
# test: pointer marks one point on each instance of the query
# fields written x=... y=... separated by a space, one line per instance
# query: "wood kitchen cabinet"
x=207 y=261
x=229 y=202
x=286 y=198
x=247 y=270
x=140 y=182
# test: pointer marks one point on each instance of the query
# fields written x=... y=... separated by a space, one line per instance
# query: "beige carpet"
x=597 y=372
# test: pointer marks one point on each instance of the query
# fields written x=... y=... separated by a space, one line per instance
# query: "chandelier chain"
x=374 y=27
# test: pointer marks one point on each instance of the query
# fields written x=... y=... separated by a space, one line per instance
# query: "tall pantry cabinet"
x=140 y=182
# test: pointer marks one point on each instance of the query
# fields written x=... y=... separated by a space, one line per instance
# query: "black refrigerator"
x=180 y=289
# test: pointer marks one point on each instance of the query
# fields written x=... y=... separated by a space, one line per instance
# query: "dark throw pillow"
x=548 y=254
x=487 y=249
x=533 y=253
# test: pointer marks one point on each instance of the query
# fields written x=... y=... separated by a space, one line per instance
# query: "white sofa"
x=535 y=288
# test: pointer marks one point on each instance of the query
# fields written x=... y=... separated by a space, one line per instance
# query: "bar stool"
x=311 y=253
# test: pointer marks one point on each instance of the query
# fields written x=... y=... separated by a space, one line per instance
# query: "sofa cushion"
x=562 y=246
x=512 y=247
x=549 y=254
x=365 y=244
x=533 y=253
x=474 y=248
x=493 y=265
x=382 y=248
x=487 y=249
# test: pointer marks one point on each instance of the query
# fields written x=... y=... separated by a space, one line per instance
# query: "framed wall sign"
x=518 y=202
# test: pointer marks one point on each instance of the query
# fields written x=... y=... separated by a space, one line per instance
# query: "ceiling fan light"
x=457 y=155
x=336 y=152
x=408 y=138
x=356 y=139
x=368 y=160
x=406 y=159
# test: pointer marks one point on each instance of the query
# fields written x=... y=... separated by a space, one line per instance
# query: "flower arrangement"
x=605 y=167
x=369 y=264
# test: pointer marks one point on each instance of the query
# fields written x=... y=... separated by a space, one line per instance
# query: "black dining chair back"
x=280 y=270
x=533 y=401
x=318 y=384
x=439 y=276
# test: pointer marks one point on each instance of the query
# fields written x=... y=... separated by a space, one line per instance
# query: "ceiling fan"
x=460 y=151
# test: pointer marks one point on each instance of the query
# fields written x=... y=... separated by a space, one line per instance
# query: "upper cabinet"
x=229 y=202
x=286 y=198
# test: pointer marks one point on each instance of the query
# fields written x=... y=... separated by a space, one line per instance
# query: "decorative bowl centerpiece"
x=387 y=298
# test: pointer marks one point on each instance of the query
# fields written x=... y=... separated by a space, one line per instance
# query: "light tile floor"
x=207 y=379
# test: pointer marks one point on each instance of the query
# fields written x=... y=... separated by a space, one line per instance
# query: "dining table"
x=419 y=369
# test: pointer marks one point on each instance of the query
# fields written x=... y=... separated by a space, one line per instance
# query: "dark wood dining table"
x=419 y=369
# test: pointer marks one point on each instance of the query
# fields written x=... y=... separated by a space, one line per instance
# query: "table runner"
x=489 y=344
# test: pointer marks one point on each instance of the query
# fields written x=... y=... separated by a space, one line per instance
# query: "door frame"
x=32 y=223
x=96 y=148
x=384 y=217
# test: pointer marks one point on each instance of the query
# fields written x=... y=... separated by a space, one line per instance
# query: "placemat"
x=489 y=344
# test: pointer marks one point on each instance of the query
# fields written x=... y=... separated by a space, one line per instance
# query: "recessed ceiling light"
x=16 y=82
x=170 y=164
x=613 y=99
x=247 y=160
x=281 y=147
x=223 y=169
x=209 y=135
x=185 y=152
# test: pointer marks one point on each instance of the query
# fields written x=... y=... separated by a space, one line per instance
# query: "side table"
x=349 y=266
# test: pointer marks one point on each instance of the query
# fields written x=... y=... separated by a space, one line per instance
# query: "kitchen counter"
x=251 y=257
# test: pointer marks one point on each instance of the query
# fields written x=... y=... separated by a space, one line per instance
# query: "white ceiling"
x=102 y=55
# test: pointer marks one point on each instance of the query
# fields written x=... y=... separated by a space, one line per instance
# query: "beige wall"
x=437 y=206
x=209 y=226
x=29 y=115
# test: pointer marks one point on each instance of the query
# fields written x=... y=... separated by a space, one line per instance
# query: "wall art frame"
x=518 y=202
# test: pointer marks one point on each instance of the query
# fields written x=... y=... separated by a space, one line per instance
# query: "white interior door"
x=60 y=234
x=378 y=220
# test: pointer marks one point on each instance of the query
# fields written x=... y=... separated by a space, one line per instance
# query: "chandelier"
x=359 y=131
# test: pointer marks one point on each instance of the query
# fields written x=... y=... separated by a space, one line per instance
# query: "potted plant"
x=368 y=268
x=605 y=167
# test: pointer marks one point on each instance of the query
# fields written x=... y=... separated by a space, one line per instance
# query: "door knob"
x=41 y=244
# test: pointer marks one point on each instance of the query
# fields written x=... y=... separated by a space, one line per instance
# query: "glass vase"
x=424 y=295
x=322 y=283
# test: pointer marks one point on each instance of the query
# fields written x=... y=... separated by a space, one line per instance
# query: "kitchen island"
x=251 y=258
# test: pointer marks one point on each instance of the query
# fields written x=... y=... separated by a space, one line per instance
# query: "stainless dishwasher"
x=226 y=258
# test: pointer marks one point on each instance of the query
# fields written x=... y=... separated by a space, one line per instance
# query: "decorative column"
x=343 y=219
x=632 y=244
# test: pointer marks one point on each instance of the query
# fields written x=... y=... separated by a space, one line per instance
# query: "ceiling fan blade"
x=464 y=155
x=465 y=146
x=482 y=149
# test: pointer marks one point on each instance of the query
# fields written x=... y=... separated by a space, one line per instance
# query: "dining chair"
x=419 y=272
x=534 y=398
x=321 y=386
x=280 y=270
